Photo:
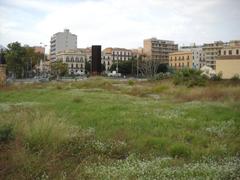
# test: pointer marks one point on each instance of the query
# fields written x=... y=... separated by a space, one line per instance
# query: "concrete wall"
x=229 y=67
x=3 y=76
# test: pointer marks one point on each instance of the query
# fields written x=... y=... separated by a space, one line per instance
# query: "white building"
x=198 y=55
x=62 y=41
x=75 y=59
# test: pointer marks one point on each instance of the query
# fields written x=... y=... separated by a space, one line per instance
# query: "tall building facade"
x=159 y=50
x=62 y=41
x=181 y=59
x=198 y=55
x=75 y=59
x=212 y=51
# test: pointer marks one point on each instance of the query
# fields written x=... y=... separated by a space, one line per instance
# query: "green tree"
x=15 y=59
x=21 y=60
x=59 y=69
x=125 y=67
x=189 y=78
x=88 y=67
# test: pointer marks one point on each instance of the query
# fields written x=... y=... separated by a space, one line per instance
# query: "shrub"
x=180 y=150
x=59 y=87
x=160 y=89
x=157 y=143
x=189 y=78
x=45 y=131
x=217 y=77
x=6 y=133
x=235 y=77
x=131 y=82
x=161 y=76
x=77 y=100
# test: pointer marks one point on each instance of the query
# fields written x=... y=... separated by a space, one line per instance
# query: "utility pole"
x=137 y=66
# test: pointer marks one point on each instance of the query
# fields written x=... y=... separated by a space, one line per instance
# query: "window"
x=230 y=52
x=175 y=58
x=224 y=52
x=182 y=64
x=187 y=64
x=67 y=59
x=81 y=60
x=179 y=64
x=72 y=59
x=77 y=59
x=237 y=52
x=188 y=58
x=81 y=66
x=71 y=65
x=76 y=65
x=183 y=58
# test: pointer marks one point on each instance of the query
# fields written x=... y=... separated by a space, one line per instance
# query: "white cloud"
x=123 y=23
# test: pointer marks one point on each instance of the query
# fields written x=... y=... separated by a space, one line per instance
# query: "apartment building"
x=107 y=58
x=111 y=55
x=212 y=51
x=62 y=41
x=180 y=59
x=228 y=63
x=197 y=54
x=88 y=52
x=121 y=54
x=75 y=59
x=158 y=50
x=39 y=49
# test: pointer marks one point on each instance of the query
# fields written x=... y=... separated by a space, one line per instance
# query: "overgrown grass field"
x=111 y=129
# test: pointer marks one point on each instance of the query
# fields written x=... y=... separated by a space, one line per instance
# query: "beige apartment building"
x=181 y=59
x=158 y=50
x=228 y=63
x=107 y=58
x=111 y=55
x=75 y=59
x=212 y=51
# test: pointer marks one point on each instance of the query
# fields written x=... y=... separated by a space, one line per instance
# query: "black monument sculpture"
x=96 y=60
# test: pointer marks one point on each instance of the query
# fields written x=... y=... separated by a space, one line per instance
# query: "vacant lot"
x=111 y=129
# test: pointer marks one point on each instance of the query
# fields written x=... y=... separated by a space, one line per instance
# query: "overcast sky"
x=119 y=23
